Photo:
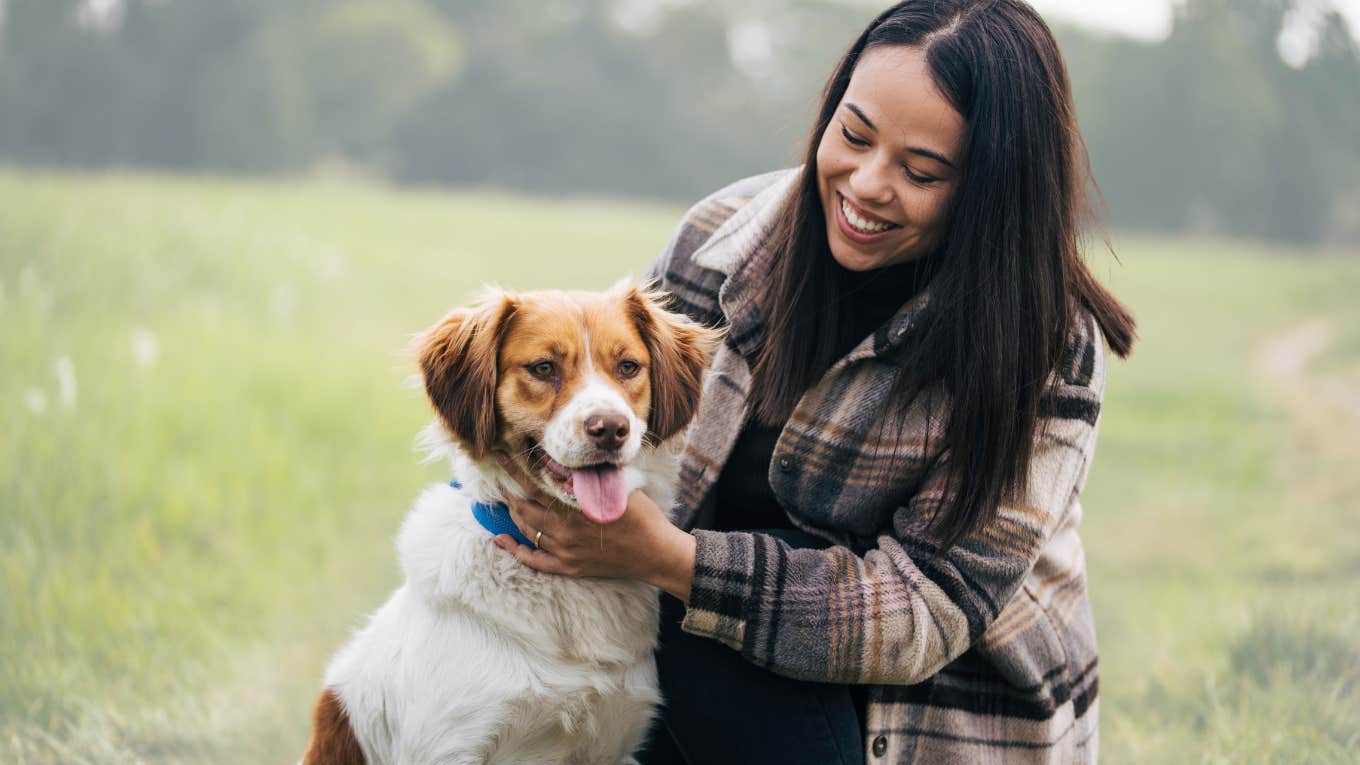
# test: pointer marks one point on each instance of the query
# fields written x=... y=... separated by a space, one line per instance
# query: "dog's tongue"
x=600 y=492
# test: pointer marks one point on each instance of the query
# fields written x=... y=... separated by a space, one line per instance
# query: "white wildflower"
x=36 y=400
x=146 y=349
x=66 y=382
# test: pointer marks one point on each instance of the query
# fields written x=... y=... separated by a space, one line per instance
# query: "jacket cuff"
x=724 y=582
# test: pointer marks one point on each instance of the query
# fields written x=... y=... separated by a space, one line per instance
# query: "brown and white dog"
x=477 y=658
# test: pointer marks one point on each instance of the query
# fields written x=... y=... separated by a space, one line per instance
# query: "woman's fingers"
x=531 y=518
x=539 y=560
x=519 y=514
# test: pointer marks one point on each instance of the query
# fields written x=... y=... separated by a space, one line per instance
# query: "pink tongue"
x=601 y=492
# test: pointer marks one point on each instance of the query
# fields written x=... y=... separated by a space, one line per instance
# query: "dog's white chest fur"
x=479 y=659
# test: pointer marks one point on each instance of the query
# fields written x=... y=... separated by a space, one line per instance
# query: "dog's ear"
x=680 y=351
x=458 y=361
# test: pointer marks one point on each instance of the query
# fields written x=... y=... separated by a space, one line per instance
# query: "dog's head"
x=572 y=386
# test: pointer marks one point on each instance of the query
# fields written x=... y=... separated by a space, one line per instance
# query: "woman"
x=877 y=554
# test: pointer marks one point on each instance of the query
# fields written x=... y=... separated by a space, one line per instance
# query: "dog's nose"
x=607 y=430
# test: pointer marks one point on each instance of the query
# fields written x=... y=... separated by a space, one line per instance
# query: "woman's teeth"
x=859 y=224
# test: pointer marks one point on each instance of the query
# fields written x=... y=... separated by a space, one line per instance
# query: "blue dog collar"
x=495 y=518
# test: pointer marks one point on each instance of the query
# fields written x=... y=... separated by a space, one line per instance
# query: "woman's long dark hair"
x=1008 y=275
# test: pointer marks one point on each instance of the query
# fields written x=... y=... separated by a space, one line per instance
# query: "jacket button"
x=785 y=464
x=880 y=746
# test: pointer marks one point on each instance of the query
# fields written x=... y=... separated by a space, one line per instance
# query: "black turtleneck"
x=743 y=497
x=870 y=298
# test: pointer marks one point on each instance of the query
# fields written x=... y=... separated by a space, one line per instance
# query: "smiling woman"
x=882 y=485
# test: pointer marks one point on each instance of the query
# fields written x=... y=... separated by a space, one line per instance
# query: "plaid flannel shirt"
x=984 y=654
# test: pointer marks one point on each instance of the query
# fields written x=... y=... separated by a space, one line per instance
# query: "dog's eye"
x=543 y=370
x=629 y=369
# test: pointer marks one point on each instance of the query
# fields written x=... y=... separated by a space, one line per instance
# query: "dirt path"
x=1319 y=445
x=1289 y=361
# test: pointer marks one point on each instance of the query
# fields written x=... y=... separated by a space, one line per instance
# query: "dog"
x=477 y=658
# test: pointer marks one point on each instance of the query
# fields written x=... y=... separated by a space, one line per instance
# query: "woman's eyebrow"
x=860 y=113
x=933 y=155
x=938 y=157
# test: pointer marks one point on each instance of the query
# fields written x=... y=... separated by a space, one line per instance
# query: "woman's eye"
x=922 y=179
x=851 y=139
x=629 y=368
x=544 y=370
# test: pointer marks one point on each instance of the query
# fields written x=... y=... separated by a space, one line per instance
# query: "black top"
x=742 y=495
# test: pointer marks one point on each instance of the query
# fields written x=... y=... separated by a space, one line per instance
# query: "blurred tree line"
x=1208 y=131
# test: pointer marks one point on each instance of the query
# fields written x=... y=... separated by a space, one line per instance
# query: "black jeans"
x=721 y=709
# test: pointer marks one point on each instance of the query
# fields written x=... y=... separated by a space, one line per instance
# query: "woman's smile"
x=860 y=225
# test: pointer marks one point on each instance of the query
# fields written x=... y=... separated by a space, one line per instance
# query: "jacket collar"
x=737 y=249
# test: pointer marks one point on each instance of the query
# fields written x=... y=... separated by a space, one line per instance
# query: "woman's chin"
x=853 y=259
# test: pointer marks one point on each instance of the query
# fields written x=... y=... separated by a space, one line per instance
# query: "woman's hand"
x=642 y=544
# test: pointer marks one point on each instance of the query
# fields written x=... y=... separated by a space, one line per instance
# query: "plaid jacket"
x=985 y=654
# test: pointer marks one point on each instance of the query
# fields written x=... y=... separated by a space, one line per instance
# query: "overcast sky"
x=1148 y=19
x=1151 y=19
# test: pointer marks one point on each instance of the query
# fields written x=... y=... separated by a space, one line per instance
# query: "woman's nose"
x=870 y=181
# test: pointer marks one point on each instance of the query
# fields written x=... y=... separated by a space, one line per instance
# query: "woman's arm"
x=901 y=612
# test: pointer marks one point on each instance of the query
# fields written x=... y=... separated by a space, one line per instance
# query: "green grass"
x=184 y=544
x=1220 y=529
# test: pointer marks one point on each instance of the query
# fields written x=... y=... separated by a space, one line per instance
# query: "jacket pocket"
x=1024 y=647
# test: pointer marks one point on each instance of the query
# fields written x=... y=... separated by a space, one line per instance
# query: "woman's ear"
x=680 y=351
x=458 y=362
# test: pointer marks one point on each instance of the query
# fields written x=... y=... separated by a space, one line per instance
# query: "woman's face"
x=888 y=161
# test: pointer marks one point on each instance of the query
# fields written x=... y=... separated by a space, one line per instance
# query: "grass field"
x=206 y=445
